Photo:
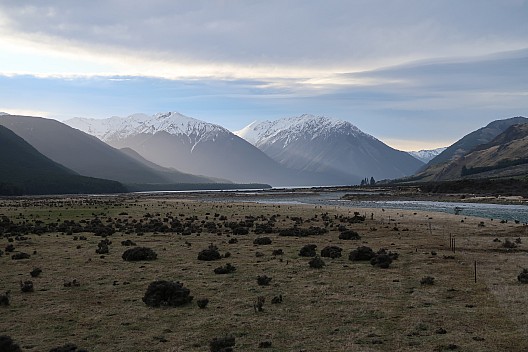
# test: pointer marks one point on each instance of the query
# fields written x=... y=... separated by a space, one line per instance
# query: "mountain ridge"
x=81 y=152
x=27 y=171
x=174 y=140
x=324 y=144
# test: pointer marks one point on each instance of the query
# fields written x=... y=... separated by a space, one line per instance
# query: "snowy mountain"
x=117 y=128
x=88 y=156
x=187 y=144
x=323 y=144
x=426 y=155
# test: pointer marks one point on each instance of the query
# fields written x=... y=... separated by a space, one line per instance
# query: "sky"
x=415 y=74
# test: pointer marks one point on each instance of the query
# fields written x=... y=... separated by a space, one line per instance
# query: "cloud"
x=298 y=38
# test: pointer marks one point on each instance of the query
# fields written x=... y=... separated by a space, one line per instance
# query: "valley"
x=343 y=305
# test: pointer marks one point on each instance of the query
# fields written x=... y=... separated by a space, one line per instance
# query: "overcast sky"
x=413 y=73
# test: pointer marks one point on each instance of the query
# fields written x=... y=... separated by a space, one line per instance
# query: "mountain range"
x=170 y=148
x=324 y=144
x=306 y=150
x=87 y=155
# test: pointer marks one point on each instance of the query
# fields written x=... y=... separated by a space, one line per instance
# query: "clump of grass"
x=427 y=280
x=263 y=280
x=316 y=262
x=222 y=344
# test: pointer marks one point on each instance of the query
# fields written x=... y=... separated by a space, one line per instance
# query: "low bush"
x=226 y=269
x=523 y=276
x=308 y=250
x=167 y=293
x=349 y=235
x=331 y=252
x=316 y=263
x=222 y=344
x=69 y=347
x=209 y=254
x=263 y=280
x=427 y=280
x=262 y=241
x=8 y=345
x=139 y=253
x=362 y=253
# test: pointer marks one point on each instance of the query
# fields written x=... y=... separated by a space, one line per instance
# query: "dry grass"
x=342 y=307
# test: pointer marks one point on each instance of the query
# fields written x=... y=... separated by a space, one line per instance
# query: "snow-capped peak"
x=426 y=155
x=291 y=128
x=3 y=113
x=115 y=128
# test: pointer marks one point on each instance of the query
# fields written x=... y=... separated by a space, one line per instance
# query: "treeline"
x=495 y=187
x=67 y=184
x=193 y=187
x=500 y=165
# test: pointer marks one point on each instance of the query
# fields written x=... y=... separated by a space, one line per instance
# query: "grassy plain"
x=345 y=306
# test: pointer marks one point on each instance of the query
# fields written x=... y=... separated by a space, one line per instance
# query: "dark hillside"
x=23 y=170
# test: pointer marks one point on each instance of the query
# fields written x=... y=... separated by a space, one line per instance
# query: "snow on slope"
x=294 y=128
x=116 y=128
x=427 y=155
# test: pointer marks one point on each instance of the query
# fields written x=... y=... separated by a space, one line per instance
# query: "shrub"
x=509 y=244
x=21 y=255
x=427 y=280
x=331 y=252
x=139 y=253
x=8 y=345
x=167 y=293
x=263 y=280
x=226 y=269
x=308 y=250
x=4 y=300
x=265 y=344
x=69 y=347
x=35 y=272
x=276 y=299
x=222 y=344
x=523 y=276
x=202 y=303
x=26 y=286
x=209 y=254
x=362 y=253
x=262 y=240
x=278 y=252
x=240 y=231
x=102 y=247
x=316 y=263
x=381 y=260
x=349 y=235
x=127 y=243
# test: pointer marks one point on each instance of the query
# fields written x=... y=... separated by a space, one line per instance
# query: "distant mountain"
x=86 y=154
x=481 y=136
x=3 y=113
x=26 y=171
x=506 y=155
x=425 y=155
x=174 y=140
x=323 y=144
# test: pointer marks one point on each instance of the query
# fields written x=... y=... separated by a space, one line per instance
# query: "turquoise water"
x=484 y=210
